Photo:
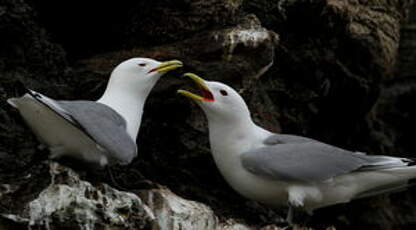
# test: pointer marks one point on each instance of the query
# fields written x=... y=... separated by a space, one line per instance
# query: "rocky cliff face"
x=339 y=71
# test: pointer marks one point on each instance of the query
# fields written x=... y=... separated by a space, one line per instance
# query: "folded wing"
x=99 y=122
x=307 y=160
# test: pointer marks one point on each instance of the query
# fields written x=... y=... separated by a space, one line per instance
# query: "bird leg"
x=296 y=197
x=113 y=180
x=290 y=214
x=297 y=217
x=56 y=152
x=41 y=147
x=143 y=183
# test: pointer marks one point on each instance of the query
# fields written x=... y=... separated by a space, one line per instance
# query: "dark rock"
x=24 y=44
x=391 y=124
x=26 y=55
x=164 y=21
x=10 y=222
x=336 y=53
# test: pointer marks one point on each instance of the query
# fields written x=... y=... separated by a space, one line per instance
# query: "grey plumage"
x=286 y=138
x=98 y=121
x=280 y=170
x=292 y=158
x=97 y=133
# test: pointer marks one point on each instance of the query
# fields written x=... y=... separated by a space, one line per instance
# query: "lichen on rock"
x=249 y=34
x=77 y=203
x=71 y=203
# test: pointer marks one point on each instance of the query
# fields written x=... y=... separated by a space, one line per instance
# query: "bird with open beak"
x=289 y=170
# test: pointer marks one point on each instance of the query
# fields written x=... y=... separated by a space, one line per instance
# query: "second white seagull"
x=288 y=170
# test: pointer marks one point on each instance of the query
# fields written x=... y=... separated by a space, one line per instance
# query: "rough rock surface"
x=71 y=203
x=343 y=72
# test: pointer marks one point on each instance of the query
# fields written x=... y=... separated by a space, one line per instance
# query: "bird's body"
x=80 y=129
x=307 y=195
x=99 y=132
x=289 y=170
x=61 y=136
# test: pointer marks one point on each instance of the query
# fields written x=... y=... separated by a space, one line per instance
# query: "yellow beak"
x=207 y=95
x=167 y=66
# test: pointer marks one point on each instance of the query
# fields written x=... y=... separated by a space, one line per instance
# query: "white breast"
x=226 y=150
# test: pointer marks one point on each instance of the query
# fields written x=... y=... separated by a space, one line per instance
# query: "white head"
x=129 y=85
x=219 y=101
x=140 y=74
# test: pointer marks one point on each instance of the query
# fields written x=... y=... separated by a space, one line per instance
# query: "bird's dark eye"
x=142 y=64
x=223 y=92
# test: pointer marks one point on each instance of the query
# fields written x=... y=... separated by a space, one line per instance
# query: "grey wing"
x=51 y=104
x=311 y=161
x=105 y=126
x=98 y=121
x=286 y=138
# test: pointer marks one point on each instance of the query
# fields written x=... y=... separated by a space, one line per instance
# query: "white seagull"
x=287 y=170
x=100 y=132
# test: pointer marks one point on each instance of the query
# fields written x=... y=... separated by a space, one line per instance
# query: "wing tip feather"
x=13 y=101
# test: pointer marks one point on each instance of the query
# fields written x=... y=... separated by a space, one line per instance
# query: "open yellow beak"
x=203 y=87
x=167 y=66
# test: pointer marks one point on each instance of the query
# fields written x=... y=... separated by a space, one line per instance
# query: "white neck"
x=229 y=139
x=128 y=104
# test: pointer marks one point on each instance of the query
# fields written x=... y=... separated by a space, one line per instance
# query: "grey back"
x=301 y=159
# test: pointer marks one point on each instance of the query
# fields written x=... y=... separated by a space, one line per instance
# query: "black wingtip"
x=34 y=94
x=411 y=161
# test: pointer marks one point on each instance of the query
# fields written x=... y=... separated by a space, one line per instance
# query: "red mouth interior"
x=206 y=94
x=152 y=70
